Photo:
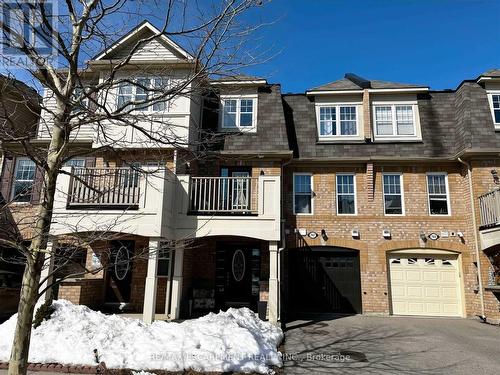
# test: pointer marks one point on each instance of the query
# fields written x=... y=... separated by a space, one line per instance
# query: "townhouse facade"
x=358 y=196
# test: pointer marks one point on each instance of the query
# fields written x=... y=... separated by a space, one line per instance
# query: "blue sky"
x=433 y=42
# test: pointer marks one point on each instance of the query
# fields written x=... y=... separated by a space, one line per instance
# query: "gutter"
x=476 y=237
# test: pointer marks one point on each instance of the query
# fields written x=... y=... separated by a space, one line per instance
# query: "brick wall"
x=371 y=221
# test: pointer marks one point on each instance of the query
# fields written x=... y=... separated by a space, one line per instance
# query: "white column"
x=273 y=303
x=46 y=277
x=177 y=282
x=148 y=312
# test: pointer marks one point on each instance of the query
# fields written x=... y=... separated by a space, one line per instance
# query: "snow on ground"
x=235 y=340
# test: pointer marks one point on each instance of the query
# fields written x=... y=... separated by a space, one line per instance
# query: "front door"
x=119 y=272
x=238 y=187
x=238 y=275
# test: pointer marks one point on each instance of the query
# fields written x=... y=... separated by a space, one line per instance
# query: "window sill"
x=249 y=129
x=397 y=140
x=340 y=140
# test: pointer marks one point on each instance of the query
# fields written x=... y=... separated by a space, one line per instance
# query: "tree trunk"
x=18 y=362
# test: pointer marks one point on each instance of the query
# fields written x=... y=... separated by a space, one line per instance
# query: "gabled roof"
x=491 y=73
x=353 y=83
x=148 y=28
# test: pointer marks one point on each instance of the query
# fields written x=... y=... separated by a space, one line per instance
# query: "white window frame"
x=337 y=105
x=149 y=108
x=14 y=179
x=355 y=193
x=417 y=136
x=165 y=256
x=403 y=211
x=312 y=194
x=238 y=99
x=492 y=110
x=68 y=163
x=447 y=193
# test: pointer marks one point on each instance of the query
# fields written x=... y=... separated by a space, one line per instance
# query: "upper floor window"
x=238 y=112
x=302 y=193
x=437 y=190
x=395 y=121
x=393 y=194
x=337 y=121
x=24 y=177
x=149 y=90
x=495 y=108
x=346 y=194
x=75 y=162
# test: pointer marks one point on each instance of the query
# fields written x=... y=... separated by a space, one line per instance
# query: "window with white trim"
x=164 y=262
x=395 y=120
x=337 y=120
x=302 y=193
x=346 y=194
x=75 y=162
x=238 y=113
x=24 y=178
x=393 y=194
x=495 y=108
x=144 y=89
x=437 y=190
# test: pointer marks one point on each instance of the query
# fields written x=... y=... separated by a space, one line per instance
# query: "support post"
x=177 y=281
x=273 y=282
x=148 y=312
x=46 y=276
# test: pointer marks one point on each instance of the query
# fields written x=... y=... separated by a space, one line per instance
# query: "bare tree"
x=218 y=41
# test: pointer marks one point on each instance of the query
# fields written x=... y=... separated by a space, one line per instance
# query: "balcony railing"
x=489 y=204
x=223 y=195
x=104 y=188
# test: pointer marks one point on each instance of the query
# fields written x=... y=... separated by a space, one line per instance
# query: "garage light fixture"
x=355 y=233
x=386 y=233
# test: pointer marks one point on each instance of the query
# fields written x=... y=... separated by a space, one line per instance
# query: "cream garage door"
x=427 y=285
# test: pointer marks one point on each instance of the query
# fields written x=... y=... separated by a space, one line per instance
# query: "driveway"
x=391 y=345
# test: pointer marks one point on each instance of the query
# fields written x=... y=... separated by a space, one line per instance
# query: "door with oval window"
x=238 y=275
x=119 y=272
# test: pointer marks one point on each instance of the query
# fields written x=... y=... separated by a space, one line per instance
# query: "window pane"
x=246 y=112
x=229 y=120
x=496 y=101
x=23 y=180
x=348 y=121
x=497 y=116
x=345 y=194
x=124 y=94
x=438 y=206
x=404 y=119
x=383 y=120
x=393 y=205
x=346 y=204
x=303 y=204
x=141 y=93
x=327 y=119
x=436 y=184
x=246 y=119
x=163 y=266
x=303 y=184
x=77 y=163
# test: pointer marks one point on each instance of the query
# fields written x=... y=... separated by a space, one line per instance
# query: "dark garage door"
x=324 y=280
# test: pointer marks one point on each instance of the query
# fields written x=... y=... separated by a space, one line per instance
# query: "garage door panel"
x=426 y=285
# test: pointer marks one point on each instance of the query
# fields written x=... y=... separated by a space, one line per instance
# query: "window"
x=164 y=262
x=302 y=193
x=396 y=120
x=24 y=176
x=238 y=113
x=437 y=189
x=339 y=120
x=144 y=89
x=393 y=194
x=495 y=108
x=346 y=194
x=77 y=163
x=81 y=100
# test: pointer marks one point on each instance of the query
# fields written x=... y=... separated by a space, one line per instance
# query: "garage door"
x=425 y=285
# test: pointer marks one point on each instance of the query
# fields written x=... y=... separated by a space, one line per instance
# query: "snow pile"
x=235 y=340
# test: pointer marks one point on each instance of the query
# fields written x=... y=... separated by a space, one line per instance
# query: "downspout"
x=476 y=237
x=282 y=233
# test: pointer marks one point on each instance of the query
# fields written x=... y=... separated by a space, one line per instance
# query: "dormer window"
x=337 y=121
x=239 y=112
x=494 y=98
x=396 y=121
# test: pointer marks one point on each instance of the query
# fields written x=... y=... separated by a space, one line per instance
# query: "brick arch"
x=338 y=242
x=415 y=244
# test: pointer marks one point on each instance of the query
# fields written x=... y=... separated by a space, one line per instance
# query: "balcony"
x=229 y=206
x=157 y=203
x=113 y=200
x=489 y=230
